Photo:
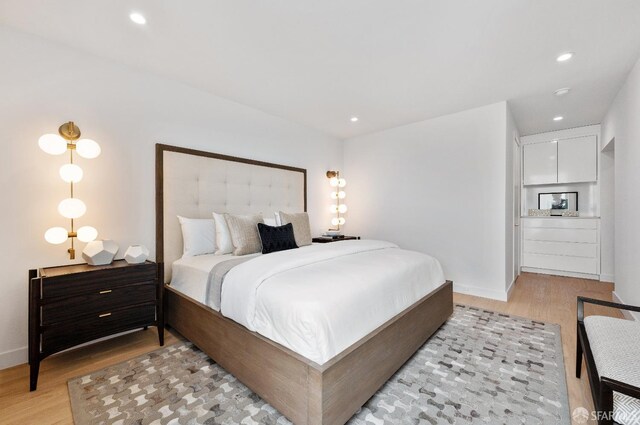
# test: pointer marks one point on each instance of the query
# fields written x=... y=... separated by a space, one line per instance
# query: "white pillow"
x=270 y=222
x=198 y=236
x=277 y=217
x=223 y=235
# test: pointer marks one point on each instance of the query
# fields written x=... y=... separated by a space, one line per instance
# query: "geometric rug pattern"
x=481 y=367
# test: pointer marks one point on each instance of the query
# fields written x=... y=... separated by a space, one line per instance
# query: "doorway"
x=517 y=192
x=607 y=212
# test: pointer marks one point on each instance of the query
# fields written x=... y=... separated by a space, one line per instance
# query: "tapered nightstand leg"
x=161 y=304
x=145 y=328
x=34 y=328
x=33 y=379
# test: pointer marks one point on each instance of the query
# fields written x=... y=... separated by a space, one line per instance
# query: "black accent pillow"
x=276 y=238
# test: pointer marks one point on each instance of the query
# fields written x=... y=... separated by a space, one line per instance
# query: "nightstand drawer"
x=98 y=301
x=97 y=280
x=65 y=335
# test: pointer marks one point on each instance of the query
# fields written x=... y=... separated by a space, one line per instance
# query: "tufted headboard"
x=194 y=184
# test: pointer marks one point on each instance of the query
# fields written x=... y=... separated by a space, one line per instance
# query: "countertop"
x=558 y=216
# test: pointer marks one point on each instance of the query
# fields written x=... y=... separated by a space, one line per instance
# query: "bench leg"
x=606 y=405
x=578 y=354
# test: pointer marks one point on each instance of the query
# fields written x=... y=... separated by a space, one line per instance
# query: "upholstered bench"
x=611 y=349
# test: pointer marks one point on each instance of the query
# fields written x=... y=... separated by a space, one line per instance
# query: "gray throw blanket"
x=216 y=278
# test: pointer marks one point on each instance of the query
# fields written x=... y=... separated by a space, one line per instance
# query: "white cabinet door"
x=577 y=160
x=541 y=163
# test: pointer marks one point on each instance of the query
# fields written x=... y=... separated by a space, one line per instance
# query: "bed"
x=318 y=356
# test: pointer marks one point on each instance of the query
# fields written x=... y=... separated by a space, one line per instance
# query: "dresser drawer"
x=561 y=223
x=98 y=302
x=587 y=250
x=67 y=334
x=97 y=280
x=561 y=235
x=561 y=263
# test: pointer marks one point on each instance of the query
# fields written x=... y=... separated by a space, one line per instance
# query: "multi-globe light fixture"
x=71 y=207
x=337 y=195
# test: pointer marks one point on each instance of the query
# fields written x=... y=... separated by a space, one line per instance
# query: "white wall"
x=438 y=186
x=622 y=124
x=127 y=112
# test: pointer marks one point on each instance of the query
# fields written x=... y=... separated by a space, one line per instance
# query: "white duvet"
x=320 y=299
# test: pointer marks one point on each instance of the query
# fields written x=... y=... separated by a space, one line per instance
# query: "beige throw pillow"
x=244 y=233
x=301 y=227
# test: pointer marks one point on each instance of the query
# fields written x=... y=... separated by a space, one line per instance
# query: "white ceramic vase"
x=136 y=254
x=100 y=253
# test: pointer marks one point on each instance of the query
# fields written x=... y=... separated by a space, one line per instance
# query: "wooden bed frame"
x=305 y=392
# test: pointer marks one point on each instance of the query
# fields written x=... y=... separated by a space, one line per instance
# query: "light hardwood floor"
x=552 y=299
x=545 y=298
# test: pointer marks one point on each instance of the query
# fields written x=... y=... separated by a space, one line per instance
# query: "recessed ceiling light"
x=354 y=119
x=138 y=18
x=564 y=57
x=562 y=91
x=558 y=118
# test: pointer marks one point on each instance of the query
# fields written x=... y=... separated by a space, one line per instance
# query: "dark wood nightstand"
x=327 y=239
x=71 y=305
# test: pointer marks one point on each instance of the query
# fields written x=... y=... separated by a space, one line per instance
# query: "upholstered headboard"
x=194 y=184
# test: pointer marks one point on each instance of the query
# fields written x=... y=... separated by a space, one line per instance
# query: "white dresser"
x=565 y=246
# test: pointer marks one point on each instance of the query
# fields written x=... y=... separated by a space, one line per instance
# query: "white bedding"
x=320 y=299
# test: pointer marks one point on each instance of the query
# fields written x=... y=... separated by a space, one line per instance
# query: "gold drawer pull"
x=108 y=291
x=105 y=315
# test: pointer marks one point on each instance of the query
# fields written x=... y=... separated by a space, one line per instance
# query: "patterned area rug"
x=480 y=367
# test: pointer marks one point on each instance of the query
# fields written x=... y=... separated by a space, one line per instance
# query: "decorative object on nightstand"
x=75 y=304
x=332 y=233
x=100 y=253
x=539 y=213
x=136 y=254
x=337 y=195
x=337 y=238
x=71 y=208
x=570 y=214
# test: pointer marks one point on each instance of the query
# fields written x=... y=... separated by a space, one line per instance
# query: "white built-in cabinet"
x=561 y=245
x=541 y=163
x=577 y=161
x=561 y=161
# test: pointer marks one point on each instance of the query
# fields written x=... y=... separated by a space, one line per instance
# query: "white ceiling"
x=390 y=62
